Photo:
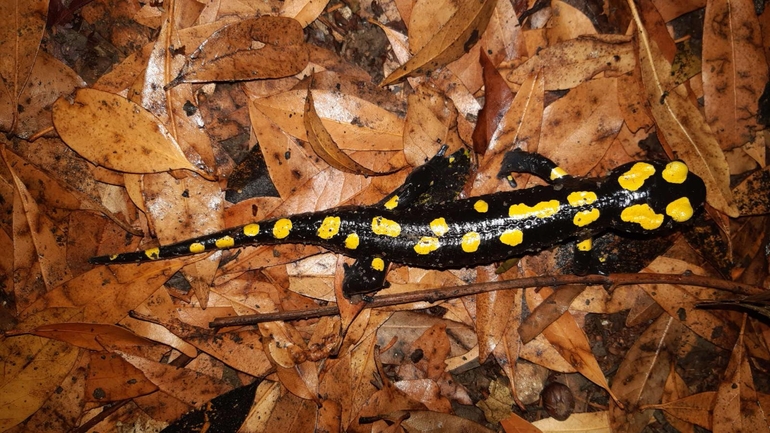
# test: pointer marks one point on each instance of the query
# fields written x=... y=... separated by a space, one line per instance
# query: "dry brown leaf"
x=640 y=377
x=497 y=101
x=455 y=38
x=680 y=123
x=734 y=70
x=570 y=63
x=423 y=421
x=679 y=301
x=492 y=312
x=22 y=24
x=87 y=335
x=33 y=368
x=106 y=294
x=572 y=343
x=46 y=236
x=694 y=409
x=111 y=378
x=567 y=23
x=431 y=121
x=300 y=379
x=189 y=386
x=292 y=413
x=115 y=133
x=579 y=128
x=257 y=48
x=548 y=312
x=517 y=424
x=737 y=407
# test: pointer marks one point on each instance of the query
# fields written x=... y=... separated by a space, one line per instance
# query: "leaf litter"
x=141 y=157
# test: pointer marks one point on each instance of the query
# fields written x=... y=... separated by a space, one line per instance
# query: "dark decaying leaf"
x=223 y=414
x=250 y=179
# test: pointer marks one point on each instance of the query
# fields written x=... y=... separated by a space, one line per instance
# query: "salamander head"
x=654 y=195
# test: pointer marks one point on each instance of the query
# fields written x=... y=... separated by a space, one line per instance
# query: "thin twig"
x=440 y=294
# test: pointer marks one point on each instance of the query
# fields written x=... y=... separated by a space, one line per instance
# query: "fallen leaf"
x=115 y=133
x=694 y=409
x=734 y=70
x=736 y=406
x=450 y=42
x=323 y=144
x=33 y=368
x=111 y=378
x=22 y=24
x=87 y=335
x=497 y=101
x=256 y=48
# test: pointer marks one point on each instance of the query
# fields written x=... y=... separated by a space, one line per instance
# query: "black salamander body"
x=410 y=227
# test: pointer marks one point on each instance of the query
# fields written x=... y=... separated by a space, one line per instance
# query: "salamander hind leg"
x=364 y=276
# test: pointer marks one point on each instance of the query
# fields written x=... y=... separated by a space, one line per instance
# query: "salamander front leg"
x=518 y=161
x=364 y=276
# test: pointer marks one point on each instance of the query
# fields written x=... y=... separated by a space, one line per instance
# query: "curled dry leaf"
x=257 y=48
x=115 y=133
x=324 y=146
x=454 y=39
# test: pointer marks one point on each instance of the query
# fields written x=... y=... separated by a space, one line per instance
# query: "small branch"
x=440 y=294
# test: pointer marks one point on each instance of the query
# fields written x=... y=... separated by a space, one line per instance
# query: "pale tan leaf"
x=567 y=23
x=589 y=422
x=115 y=133
x=256 y=48
x=431 y=118
x=304 y=11
x=734 y=70
x=737 y=406
x=300 y=379
x=292 y=414
x=266 y=397
x=681 y=124
x=454 y=39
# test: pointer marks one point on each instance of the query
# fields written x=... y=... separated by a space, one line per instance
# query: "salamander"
x=423 y=224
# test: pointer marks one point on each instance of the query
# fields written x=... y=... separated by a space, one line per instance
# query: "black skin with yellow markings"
x=425 y=227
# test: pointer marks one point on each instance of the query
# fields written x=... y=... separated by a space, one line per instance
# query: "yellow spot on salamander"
x=439 y=226
x=544 y=209
x=585 y=245
x=378 y=264
x=581 y=198
x=470 y=242
x=585 y=217
x=557 y=173
x=351 y=242
x=224 y=242
x=385 y=227
x=680 y=210
x=481 y=206
x=426 y=245
x=392 y=203
x=634 y=178
x=512 y=237
x=329 y=227
x=282 y=228
x=152 y=253
x=643 y=215
x=197 y=247
x=114 y=256
x=675 y=172
x=251 y=229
